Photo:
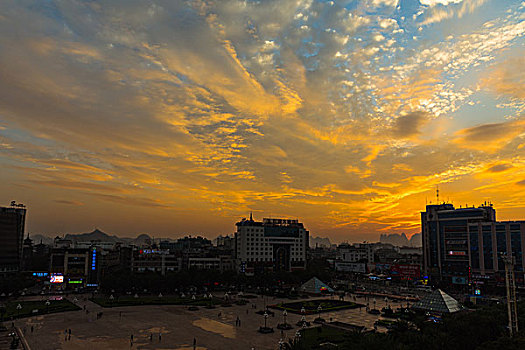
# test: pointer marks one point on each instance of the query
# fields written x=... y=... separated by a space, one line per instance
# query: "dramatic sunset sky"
x=180 y=117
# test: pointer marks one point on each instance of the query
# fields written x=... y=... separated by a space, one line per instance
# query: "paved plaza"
x=176 y=325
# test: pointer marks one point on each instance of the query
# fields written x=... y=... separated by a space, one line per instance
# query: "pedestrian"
x=160 y=337
x=32 y=328
x=246 y=311
x=151 y=337
x=194 y=343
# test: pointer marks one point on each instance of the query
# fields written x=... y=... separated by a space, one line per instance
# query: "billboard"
x=56 y=279
x=406 y=271
x=350 y=267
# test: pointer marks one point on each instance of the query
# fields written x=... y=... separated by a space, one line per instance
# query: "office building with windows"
x=273 y=244
x=466 y=244
x=12 y=226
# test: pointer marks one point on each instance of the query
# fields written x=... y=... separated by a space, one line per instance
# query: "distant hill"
x=401 y=240
x=96 y=235
x=320 y=241
x=41 y=238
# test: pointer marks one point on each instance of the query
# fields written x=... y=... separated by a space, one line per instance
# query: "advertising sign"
x=56 y=279
x=406 y=271
x=459 y=280
x=350 y=267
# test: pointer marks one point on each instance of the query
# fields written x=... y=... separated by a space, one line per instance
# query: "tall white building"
x=273 y=244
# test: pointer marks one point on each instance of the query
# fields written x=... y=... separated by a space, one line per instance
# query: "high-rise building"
x=12 y=225
x=273 y=244
x=463 y=244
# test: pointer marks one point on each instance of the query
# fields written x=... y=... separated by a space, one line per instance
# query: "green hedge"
x=153 y=300
x=28 y=307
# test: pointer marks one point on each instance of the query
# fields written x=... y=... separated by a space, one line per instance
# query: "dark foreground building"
x=12 y=225
x=467 y=244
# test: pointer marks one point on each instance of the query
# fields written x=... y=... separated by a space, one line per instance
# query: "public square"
x=176 y=325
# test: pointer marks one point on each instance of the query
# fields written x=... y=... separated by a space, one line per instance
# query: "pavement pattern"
x=173 y=327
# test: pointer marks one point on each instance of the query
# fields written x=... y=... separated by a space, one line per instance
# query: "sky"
x=181 y=117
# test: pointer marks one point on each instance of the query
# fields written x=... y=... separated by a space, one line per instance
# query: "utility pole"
x=512 y=305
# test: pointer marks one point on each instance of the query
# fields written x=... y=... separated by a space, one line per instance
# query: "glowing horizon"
x=173 y=118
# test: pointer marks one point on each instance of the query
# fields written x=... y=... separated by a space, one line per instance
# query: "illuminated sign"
x=56 y=279
x=456 y=253
x=40 y=274
x=92 y=284
x=94 y=259
x=477 y=292
x=153 y=251
x=74 y=282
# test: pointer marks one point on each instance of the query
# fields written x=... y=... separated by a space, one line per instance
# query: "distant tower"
x=251 y=216
x=437 y=194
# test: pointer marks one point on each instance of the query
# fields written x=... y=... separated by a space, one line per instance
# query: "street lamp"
x=47 y=305
x=265 y=318
x=319 y=309
x=18 y=308
x=284 y=316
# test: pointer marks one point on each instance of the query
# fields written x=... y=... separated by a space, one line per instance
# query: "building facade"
x=271 y=244
x=463 y=244
x=12 y=226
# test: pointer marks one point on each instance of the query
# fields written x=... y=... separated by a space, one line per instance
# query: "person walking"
x=194 y=343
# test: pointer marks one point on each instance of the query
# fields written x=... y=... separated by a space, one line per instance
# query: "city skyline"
x=176 y=118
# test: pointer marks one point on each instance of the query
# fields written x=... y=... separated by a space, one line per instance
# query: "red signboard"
x=457 y=253
x=406 y=271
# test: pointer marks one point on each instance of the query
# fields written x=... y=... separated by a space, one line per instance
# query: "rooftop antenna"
x=251 y=217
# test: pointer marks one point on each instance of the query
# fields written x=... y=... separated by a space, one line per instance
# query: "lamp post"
x=47 y=305
x=265 y=318
x=18 y=308
x=297 y=336
x=319 y=308
x=284 y=316
x=111 y=298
